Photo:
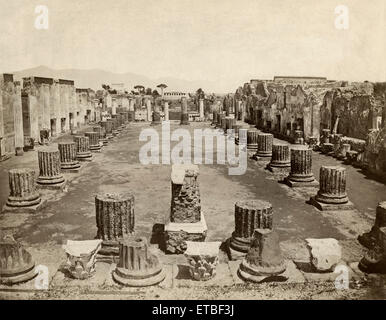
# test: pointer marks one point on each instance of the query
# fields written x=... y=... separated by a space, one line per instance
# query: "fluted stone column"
x=201 y=108
x=219 y=120
x=264 y=260
x=94 y=144
x=16 y=264
x=249 y=215
x=114 y=126
x=166 y=111
x=252 y=140
x=50 y=174
x=67 y=152
x=137 y=267
x=101 y=133
x=332 y=191
x=83 y=152
x=229 y=123
x=301 y=168
x=280 y=161
x=23 y=196
x=114 y=219
x=108 y=126
x=264 y=146
x=184 y=112
x=186 y=221
x=149 y=111
x=371 y=239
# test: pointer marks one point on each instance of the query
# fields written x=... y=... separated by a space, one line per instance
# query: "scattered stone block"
x=325 y=253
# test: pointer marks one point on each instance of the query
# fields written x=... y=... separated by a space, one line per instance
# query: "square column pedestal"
x=186 y=221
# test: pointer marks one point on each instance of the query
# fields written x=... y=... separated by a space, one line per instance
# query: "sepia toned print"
x=179 y=149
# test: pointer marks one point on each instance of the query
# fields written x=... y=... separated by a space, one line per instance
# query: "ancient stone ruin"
x=23 y=197
x=114 y=219
x=16 y=264
x=137 y=266
x=50 y=174
x=249 y=215
x=301 y=168
x=264 y=259
x=332 y=192
x=68 y=156
x=186 y=221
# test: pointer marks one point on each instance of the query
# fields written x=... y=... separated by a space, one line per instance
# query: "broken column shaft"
x=264 y=259
x=252 y=140
x=332 y=191
x=50 y=174
x=249 y=215
x=94 y=144
x=264 y=145
x=372 y=238
x=16 y=264
x=280 y=160
x=23 y=195
x=67 y=152
x=83 y=152
x=137 y=267
x=184 y=112
x=301 y=168
x=186 y=220
x=114 y=219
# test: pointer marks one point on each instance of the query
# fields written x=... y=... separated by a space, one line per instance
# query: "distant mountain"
x=94 y=79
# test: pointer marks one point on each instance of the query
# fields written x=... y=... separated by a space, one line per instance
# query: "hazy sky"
x=228 y=41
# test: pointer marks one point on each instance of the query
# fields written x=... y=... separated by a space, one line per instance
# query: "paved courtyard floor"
x=71 y=215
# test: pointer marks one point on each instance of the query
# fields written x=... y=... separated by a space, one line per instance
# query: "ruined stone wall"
x=11 y=120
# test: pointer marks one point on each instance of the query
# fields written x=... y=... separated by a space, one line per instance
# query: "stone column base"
x=27 y=209
x=96 y=148
x=177 y=233
x=139 y=280
x=55 y=186
x=76 y=169
x=22 y=276
x=237 y=248
x=332 y=207
x=261 y=158
x=84 y=157
x=279 y=170
x=251 y=275
x=301 y=184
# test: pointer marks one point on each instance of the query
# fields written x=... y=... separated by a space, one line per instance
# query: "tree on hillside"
x=162 y=86
x=200 y=94
x=139 y=88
